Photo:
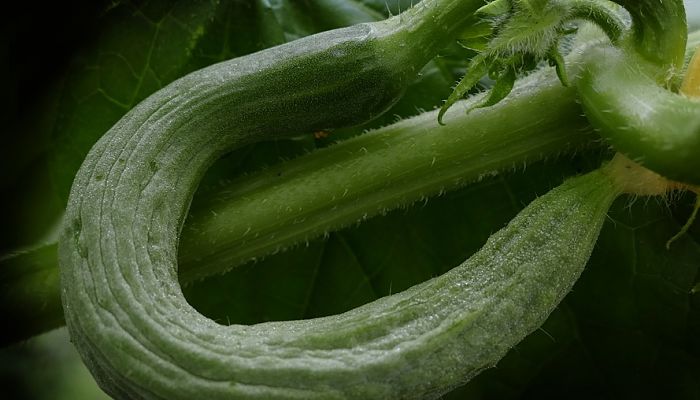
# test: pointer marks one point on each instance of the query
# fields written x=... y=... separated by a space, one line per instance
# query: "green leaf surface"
x=139 y=50
x=630 y=328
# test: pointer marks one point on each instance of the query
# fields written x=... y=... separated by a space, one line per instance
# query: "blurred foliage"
x=630 y=328
x=46 y=367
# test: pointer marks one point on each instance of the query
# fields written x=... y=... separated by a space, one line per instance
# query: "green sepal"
x=477 y=35
x=557 y=61
x=499 y=91
x=477 y=68
x=495 y=8
x=475 y=44
x=478 y=28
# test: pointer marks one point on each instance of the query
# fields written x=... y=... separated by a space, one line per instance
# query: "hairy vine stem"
x=647 y=121
x=376 y=172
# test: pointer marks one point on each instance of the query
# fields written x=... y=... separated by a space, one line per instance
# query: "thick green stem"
x=377 y=172
x=272 y=211
x=651 y=125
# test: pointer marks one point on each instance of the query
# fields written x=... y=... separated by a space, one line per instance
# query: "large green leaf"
x=139 y=50
x=630 y=328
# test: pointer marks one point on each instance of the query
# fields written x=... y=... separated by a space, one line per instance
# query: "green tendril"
x=477 y=69
x=686 y=226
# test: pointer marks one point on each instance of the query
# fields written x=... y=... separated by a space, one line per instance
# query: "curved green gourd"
x=228 y=227
x=141 y=340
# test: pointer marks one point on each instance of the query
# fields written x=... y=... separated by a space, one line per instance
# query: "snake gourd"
x=140 y=338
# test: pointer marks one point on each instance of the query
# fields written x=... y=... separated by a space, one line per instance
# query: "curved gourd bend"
x=126 y=313
x=121 y=299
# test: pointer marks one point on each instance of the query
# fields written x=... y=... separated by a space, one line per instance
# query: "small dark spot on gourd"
x=76 y=228
x=279 y=173
x=99 y=177
x=153 y=166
